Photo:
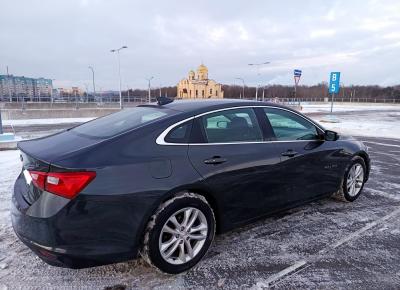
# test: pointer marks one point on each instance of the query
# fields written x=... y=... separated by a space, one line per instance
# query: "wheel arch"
x=367 y=161
x=200 y=190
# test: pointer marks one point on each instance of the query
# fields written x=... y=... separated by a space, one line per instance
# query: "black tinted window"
x=179 y=134
x=119 y=122
x=289 y=126
x=236 y=125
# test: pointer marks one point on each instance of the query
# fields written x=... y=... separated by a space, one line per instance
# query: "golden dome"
x=202 y=68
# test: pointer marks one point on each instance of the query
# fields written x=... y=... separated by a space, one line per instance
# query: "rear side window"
x=236 y=125
x=122 y=121
x=180 y=134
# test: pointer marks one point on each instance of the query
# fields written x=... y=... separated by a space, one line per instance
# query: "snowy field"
x=347 y=107
x=29 y=122
x=376 y=124
x=307 y=108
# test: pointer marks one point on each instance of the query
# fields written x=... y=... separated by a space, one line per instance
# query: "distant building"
x=69 y=93
x=199 y=86
x=14 y=88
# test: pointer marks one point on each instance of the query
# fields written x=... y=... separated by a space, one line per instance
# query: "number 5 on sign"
x=334 y=82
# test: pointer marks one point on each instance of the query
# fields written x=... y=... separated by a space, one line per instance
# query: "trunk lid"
x=39 y=154
x=55 y=147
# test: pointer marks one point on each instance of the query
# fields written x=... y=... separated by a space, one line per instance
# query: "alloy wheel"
x=355 y=179
x=183 y=235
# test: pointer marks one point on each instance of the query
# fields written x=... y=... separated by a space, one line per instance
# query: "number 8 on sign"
x=334 y=83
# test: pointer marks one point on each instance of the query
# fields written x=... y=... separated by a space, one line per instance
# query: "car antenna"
x=163 y=100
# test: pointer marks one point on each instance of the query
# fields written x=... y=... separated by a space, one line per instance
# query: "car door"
x=309 y=163
x=236 y=163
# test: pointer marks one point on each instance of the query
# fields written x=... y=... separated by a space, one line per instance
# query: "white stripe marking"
x=357 y=234
x=282 y=273
x=285 y=273
x=383 y=144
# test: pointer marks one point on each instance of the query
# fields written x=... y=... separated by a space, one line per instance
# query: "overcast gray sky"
x=165 y=39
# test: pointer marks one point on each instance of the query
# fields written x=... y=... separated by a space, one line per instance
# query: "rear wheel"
x=179 y=233
x=353 y=181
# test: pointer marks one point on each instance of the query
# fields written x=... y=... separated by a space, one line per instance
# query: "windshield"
x=121 y=121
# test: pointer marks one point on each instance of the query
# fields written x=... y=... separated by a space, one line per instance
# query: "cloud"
x=322 y=33
x=167 y=38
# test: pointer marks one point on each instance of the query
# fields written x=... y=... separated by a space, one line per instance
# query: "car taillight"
x=65 y=184
x=38 y=178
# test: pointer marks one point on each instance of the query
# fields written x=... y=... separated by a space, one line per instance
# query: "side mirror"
x=330 y=135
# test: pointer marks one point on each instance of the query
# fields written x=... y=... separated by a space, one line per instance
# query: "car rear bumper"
x=47 y=241
x=74 y=259
x=87 y=231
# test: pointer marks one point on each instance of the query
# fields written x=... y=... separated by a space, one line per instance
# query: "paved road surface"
x=326 y=244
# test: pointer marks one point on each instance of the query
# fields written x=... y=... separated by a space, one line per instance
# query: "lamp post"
x=87 y=92
x=258 y=73
x=119 y=73
x=243 y=85
x=51 y=94
x=127 y=90
x=1 y=124
x=149 y=80
x=94 y=87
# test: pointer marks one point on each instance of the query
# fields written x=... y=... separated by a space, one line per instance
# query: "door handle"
x=215 y=160
x=289 y=153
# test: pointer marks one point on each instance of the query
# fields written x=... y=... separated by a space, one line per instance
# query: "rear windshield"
x=122 y=121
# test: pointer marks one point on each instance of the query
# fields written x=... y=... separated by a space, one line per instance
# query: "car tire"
x=353 y=181
x=179 y=234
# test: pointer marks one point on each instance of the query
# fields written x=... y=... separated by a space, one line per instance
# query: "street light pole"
x=119 y=74
x=94 y=87
x=1 y=124
x=243 y=85
x=149 y=80
x=258 y=73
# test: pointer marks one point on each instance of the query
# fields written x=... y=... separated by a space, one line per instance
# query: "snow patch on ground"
x=28 y=122
x=365 y=128
x=346 y=107
x=374 y=124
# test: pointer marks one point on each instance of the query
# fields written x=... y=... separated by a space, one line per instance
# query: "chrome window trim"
x=161 y=138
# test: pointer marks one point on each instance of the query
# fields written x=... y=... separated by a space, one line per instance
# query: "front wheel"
x=179 y=233
x=353 y=181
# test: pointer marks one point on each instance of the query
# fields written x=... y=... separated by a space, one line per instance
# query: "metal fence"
x=113 y=102
x=340 y=100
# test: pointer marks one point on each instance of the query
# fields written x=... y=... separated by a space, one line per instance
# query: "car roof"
x=204 y=105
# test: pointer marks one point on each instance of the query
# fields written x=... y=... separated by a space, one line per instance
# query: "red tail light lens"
x=38 y=178
x=65 y=184
x=68 y=184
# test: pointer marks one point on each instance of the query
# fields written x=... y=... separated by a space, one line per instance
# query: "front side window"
x=288 y=126
x=236 y=125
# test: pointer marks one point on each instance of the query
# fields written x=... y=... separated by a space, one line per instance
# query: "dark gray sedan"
x=161 y=179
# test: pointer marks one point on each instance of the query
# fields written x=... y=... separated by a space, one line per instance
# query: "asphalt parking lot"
x=326 y=244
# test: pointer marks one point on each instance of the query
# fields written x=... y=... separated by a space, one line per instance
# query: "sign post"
x=334 y=86
x=297 y=75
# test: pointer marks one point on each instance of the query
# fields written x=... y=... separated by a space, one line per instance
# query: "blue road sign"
x=334 y=82
x=297 y=73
